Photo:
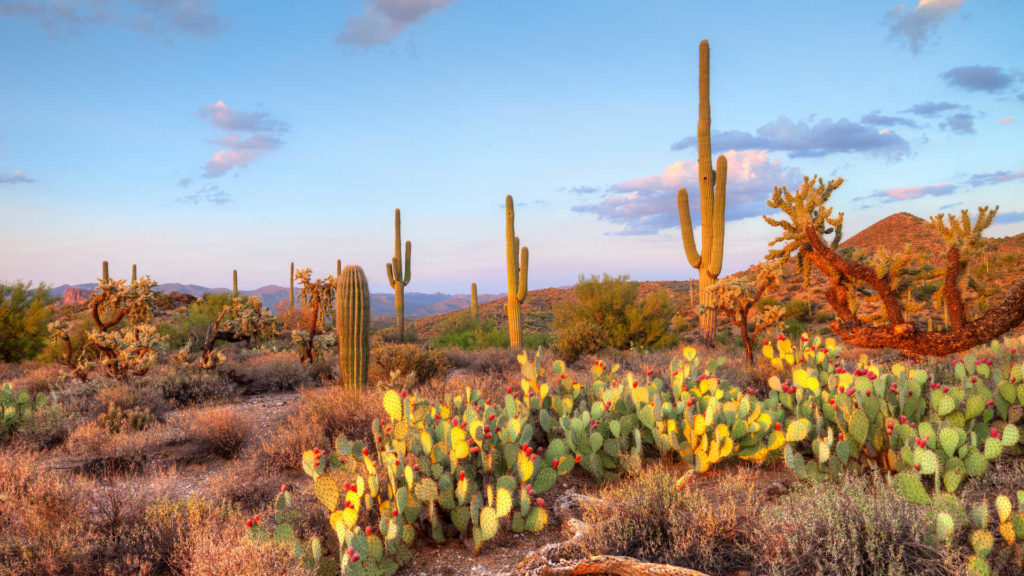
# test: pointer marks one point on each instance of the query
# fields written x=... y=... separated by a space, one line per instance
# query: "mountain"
x=895 y=232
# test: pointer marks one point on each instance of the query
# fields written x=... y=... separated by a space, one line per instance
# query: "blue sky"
x=196 y=136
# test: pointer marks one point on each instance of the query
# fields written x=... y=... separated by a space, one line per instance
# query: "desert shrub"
x=853 y=527
x=24 y=314
x=798 y=309
x=578 y=339
x=924 y=292
x=36 y=379
x=648 y=518
x=406 y=359
x=468 y=333
x=322 y=415
x=612 y=306
x=273 y=372
x=184 y=385
x=96 y=450
x=793 y=328
x=766 y=302
x=824 y=316
x=489 y=361
x=220 y=430
x=48 y=428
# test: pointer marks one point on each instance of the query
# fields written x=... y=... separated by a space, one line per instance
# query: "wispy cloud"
x=959 y=123
x=209 y=194
x=913 y=192
x=916 y=25
x=238 y=150
x=647 y=205
x=223 y=117
x=808 y=138
x=1007 y=120
x=978 y=78
x=17 y=177
x=384 y=20
x=990 y=178
x=878 y=119
x=583 y=190
x=930 y=109
x=153 y=17
x=1009 y=217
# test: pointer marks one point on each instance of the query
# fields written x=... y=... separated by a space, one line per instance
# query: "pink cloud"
x=911 y=192
x=1006 y=120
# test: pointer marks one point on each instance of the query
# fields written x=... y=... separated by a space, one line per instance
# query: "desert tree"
x=317 y=296
x=869 y=294
x=736 y=297
x=241 y=320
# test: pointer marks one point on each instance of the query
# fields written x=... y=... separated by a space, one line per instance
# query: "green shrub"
x=24 y=314
x=824 y=316
x=923 y=293
x=793 y=328
x=799 y=310
x=188 y=328
x=612 y=306
x=468 y=333
x=406 y=359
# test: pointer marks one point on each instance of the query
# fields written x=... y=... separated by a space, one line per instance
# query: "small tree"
x=240 y=321
x=737 y=297
x=872 y=296
x=24 y=313
x=317 y=297
x=119 y=350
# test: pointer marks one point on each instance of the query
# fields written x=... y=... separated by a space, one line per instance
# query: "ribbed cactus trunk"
x=708 y=261
x=135 y=271
x=338 y=275
x=353 y=322
x=234 y=283
x=517 y=262
x=106 y=272
x=474 y=308
x=291 y=287
x=398 y=278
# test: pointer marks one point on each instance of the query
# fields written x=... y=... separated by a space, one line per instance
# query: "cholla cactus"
x=317 y=297
x=805 y=229
x=736 y=297
x=119 y=352
x=240 y=321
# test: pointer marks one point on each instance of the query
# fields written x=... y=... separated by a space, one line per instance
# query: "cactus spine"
x=291 y=287
x=234 y=283
x=474 y=308
x=353 y=318
x=106 y=272
x=708 y=262
x=134 y=274
x=397 y=278
x=518 y=262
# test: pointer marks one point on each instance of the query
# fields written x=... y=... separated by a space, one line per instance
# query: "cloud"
x=930 y=109
x=959 y=123
x=223 y=117
x=239 y=153
x=647 y=205
x=877 y=119
x=384 y=20
x=238 y=150
x=209 y=194
x=990 y=178
x=18 y=177
x=1009 y=217
x=978 y=78
x=152 y=17
x=1006 y=120
x=913 y=192
x=184 y=182
x=582 y=190
x=915 y=25
x=808 y=139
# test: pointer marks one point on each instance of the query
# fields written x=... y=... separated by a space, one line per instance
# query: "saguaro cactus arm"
x=396 y=274
x=683 y=203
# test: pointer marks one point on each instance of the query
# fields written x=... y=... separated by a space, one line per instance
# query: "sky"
x=193 y=137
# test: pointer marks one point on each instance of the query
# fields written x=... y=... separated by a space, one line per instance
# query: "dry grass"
x=418 y=363
x=321 y=415
x=35 y=378
x=95 y=450
x=268 y=372
x=220 y=430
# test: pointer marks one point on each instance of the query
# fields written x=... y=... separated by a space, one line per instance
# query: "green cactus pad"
x=975 y=406
x=544 y=480
x=944 y=526
x=326 y=492
x=982 y=542
x=1011 y=435
x=979 y=516
x=976 y=464
x=910 y=488
x=488 y=523
x=797 y=430
x=993 y=449
x=949 y=439
x=859 y=426
x=927 y=460
x=460 y=517
x=951 y=479
x=1003 y=507
x=976 y=566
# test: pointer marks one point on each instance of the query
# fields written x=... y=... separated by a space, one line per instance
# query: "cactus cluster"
x=16 y=408
x=312 y=556
x=1006 y=551
x=117 y=420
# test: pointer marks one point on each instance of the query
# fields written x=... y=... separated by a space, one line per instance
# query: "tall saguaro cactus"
x=135 y=271
x=106 y=272
x=474 y=308
x=518 y=262
x=291 y=287
x=708 y=261
x=338 y=275
x=397 y=278
x=234 y=283
x=353 y=319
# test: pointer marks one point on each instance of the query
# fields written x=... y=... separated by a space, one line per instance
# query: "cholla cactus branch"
x=735 y=298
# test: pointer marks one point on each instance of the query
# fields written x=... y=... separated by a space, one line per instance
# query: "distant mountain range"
x=417 y=305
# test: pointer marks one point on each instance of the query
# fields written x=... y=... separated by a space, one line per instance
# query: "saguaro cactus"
x=106 y=272
x=234 y=283
x=291 y=287
x=338 y=275
x=708 y=261
x=518 y=262
x=353 y=318
x=134 y=274
x=397 y=278
x=474 y=309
